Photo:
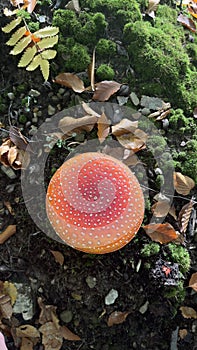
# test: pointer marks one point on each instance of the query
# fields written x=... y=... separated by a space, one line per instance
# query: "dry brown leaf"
x=184 y=216
x=172 y=212
x=73 y=5
x=182 y=183
x=47 y=312
x=124 y=126
x=193 y=281
x=12 y=156
x=59 y=258
x=71 y=81
x=26 y=344
x=67 y=334
x=160 y=209
x=117 y=317
x=7 y=233
x=134 y=141
x=152 y=7
x=51 y=336
x=70 y=125
x=187 y=22
x=103 y=125
x=5 y=306
x=89 y=110
x=27 y=331
x=182 y=333
x=18 y=139
x=105 y=89
x=188 y=312
x=195 y=112
x=162 y=233
x=9 y=207
x=30 y=5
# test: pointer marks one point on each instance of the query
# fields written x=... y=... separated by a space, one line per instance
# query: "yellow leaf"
x=21 y=45
x=48 y=42
x=49 y=54
x=27 y=56
x=35 y=63
x=10 y=289
x=47 y=31
x=16 y=36
x=44 y=66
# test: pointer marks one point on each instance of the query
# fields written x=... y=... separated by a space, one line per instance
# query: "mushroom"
x=95 y=203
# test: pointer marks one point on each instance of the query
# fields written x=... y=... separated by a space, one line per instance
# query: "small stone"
x=35 y=119
x=158 y=171
x=144 y=308
x=183 y=144
x=153 y=103
x=9 y=172
x=11 y=96
x=33 y=130
x=111 y=297
x=66 y=316
x=122 y=100
x=91 y=281
x=145 y=111
x=51 y=110
x=24 y=303
x=34 y=93
x=61 y=91
x=134 y=99
x=165 y=123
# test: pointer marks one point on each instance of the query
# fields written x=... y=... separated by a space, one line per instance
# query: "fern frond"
x=27 y=56
x=21 y=45
x=47 y=42
x=8 y=28
x=47 y=31
x=16 y=36
x=34 y=63
x=44 y=66
x=49 y=54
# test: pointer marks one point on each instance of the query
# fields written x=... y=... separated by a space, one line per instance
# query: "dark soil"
x=26 y=257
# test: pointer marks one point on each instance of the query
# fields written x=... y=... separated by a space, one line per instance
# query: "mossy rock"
x=105 y=72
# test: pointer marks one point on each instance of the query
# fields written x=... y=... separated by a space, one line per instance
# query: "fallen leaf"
x=26 y=344
x=117 y=317
x=192 y=9
x=188 y=312
x=193 y=281
x=160 y=208
x=182 y=183
x=7 y=233
x=27 y=331
x=71 y=81
x=124 y=126
x=51 y=336
x=182 y=333
x=103 y=125
x=70 y=125
x=31 y=5
x=67 y=334
x=105 y=89
x=134 y=141
x=184 y=216
x=73 y=5
x=18 y=139
x=59 y=258
x=162 y=233
x=5 y=306
x=9 y=207
x=10 y=289
x=47 y=312
x=187 y=22
x=195 y=112
x=89 y=110
x=152 y=7
x=12 y=156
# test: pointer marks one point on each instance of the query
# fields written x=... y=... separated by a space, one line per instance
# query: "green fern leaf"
x=44 y=66
x=34 y=63
x=8 y=28
x=47 y=31
x=16 y=36
x=27 y=56
x=47 y=42
x=21 y=45
x=49 y=54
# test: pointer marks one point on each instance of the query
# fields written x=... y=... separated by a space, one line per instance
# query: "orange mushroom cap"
x=95 y=203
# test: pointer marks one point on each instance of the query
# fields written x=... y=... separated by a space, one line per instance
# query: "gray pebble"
x=11 y=96
x=66 y=316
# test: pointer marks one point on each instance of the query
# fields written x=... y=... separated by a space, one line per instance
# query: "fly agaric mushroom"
x=95 y=203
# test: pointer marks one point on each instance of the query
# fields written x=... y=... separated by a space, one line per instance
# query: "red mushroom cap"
x=95 y=203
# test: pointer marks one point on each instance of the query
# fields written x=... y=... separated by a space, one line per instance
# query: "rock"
x=24 y=303
x=34 y=93
x=134 y=99
x=51 y=110
x=145 y=111
x=11 y=96
x=66 y=316
x=153 y=103
x=9 y=172
x=111 y=297
x=91 y=281
x=122 y=100
x=144 y=308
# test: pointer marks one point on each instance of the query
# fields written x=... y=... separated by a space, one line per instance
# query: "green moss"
x=186 y=160
x=33 y=26
x=178 y=121
x=192 y=52
x=105 y=49
x=179 y=255
x=177 y=292
x=166 y=61
x=156 y=144
x=105 y=72
x=150 y=249
x=22 y=119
